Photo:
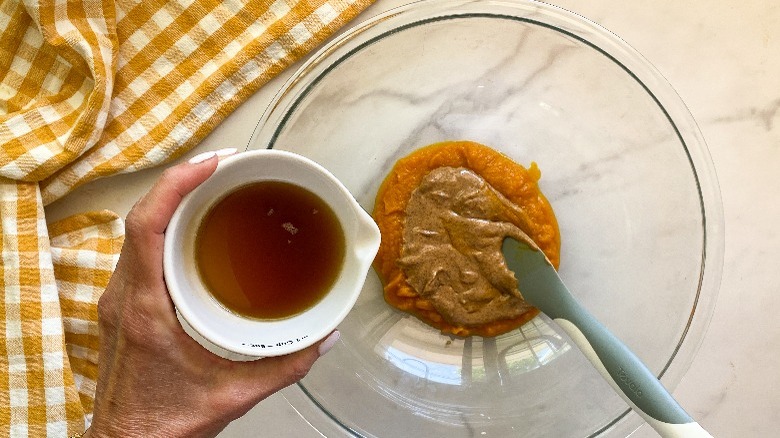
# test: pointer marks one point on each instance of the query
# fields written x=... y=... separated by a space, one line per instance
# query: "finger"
x=141 y=257
x=155 y=210
x=274 y=373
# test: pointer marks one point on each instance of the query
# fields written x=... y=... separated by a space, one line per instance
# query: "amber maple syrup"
x=270 y=250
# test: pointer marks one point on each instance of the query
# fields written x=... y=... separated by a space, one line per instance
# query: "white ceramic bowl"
x=229 y=334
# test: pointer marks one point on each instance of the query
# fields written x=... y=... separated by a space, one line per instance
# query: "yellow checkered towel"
x=89 y=89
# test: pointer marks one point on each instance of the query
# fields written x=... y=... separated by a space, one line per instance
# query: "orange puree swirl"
x=527 y=209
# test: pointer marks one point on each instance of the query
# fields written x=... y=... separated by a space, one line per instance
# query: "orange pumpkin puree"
x=518 y=184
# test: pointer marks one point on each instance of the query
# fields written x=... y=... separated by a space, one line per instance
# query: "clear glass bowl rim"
x=357 y=37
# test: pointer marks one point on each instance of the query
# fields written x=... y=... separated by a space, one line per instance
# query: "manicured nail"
x=329 y=342
x=210 y=154
x=197 y=159
x=226 y=152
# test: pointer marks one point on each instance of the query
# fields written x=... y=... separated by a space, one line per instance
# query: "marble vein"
x=766 y=116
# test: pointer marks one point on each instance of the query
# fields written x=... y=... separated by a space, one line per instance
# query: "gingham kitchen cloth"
x=89 y=89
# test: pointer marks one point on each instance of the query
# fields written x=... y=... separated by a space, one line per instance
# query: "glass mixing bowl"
x=623 y=165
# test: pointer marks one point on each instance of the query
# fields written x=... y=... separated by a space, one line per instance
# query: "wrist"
x=189 y=427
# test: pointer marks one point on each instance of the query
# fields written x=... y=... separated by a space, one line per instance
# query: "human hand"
x=153 y=379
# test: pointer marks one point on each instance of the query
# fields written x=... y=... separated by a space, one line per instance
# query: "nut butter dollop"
x=451 y=252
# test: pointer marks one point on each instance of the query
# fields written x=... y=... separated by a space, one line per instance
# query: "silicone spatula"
x=541 y=287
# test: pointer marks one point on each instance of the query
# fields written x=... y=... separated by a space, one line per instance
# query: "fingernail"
x=202 y=157
x=209 y=154
x=329 y=342
x=226 y=152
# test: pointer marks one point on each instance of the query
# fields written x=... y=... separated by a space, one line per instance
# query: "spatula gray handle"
x=631 y=379
x=540 y=285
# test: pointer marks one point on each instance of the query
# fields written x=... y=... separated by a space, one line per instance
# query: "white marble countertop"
x=723 y=58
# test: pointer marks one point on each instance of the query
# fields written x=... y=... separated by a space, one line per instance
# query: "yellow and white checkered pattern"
x=89 y=89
